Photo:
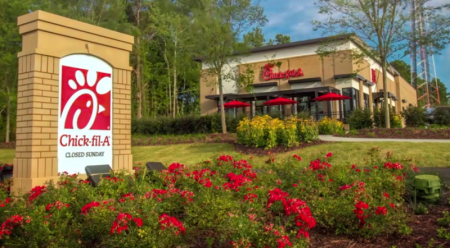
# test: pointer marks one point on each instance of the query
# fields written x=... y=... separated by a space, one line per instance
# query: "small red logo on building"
x=85 y=99
x=374 y=76
x=268 y=73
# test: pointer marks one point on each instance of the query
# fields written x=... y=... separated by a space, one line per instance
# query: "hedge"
x=183 y=125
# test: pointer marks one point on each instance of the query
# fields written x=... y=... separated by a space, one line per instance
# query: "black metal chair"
x=96 y=172
x=6 y=172
x=155 y=166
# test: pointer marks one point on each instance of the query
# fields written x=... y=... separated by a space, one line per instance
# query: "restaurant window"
x=355 y=98
x=366 y=101
x=304 y=104
x=260 y=108
x=347 y=103
x=351 y=104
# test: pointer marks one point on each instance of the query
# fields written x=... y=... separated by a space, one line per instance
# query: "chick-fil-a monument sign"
x=268 y=73
x=74 y=99
x=85 y=113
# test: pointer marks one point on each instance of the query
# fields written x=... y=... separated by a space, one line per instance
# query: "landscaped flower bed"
x=401 y=133
x=218 y=203
x=268 y=132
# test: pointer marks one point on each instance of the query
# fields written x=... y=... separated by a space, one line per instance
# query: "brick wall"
x=122 y=119
x=37 y=117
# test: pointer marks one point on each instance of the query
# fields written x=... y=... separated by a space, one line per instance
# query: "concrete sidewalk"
x=344 y=139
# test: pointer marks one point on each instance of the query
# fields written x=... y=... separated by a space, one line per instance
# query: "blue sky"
x=293 y=17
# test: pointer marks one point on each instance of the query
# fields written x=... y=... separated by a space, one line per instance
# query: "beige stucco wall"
x=47 y=38
x=407 y=92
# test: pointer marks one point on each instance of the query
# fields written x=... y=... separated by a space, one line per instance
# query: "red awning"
x=236 y=104
x=331 y=97
x=280 y=101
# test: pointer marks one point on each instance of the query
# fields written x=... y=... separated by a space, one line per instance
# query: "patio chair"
x=6 y=172
x=96 y=172
x=155 y=166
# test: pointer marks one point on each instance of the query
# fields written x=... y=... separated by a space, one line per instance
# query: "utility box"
x=428 y=187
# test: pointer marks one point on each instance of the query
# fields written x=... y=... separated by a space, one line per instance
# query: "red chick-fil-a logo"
x=268 y=73
x=374 y=76
x=85 y=99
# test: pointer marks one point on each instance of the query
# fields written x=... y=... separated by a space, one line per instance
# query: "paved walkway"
x=345 y=139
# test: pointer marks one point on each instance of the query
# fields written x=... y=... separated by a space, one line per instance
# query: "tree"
x=378 y=28
x=10 y=42
x=255 y=38
x=217 y=28
x=405 y=71
x=280 y=39
x=403 y=68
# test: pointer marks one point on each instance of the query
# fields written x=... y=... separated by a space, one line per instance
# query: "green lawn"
x=424 y=155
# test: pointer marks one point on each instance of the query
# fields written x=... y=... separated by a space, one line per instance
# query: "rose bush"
x=219 y=203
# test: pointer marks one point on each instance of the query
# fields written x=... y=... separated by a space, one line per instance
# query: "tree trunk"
x=387 y=122
x=175 y=94
x=8 y=116
x=138 y=63
x=222 y=109
x=168 y=77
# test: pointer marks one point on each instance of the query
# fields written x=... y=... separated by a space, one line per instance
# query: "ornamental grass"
x=222 y=202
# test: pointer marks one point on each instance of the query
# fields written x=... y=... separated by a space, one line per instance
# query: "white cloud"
x=275 y=20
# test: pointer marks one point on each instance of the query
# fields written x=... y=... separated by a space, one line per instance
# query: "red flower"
x=345 y=187
x=35 y=192
x=318 y=165
x=329 y=155
x=6 y=201
x=392 y=205
x=57 y=204
x=250 y=197
x=138 y=221
x=87 y=207
x=393 y=166
x=295 y=185
x=167 y=221
x=386 y=194
x=297 y=157
x=381 y=210
x=7 y=226
x=360 y=213
x=127 y=196
x=320 y=177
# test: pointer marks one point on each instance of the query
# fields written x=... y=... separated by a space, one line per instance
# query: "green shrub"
x=395 y=120
x=304 y=115
x=414 y=116
x=442 y=116
x=211 y=204
x=329 y=126
x=268 y=132
x=183 y=125
x=360 y=119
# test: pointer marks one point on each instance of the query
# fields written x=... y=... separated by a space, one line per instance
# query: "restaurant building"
x=295 y=71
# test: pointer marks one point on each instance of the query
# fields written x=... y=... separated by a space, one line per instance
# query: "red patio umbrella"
x=280 y=101
x=236 y=104
x=331 y=97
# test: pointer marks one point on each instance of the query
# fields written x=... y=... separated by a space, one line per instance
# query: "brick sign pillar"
x=74 y=99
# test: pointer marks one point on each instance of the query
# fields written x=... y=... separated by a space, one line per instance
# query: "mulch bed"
x=401 y=133
x=9 y=145
x=260 y=151
x=424 y=229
